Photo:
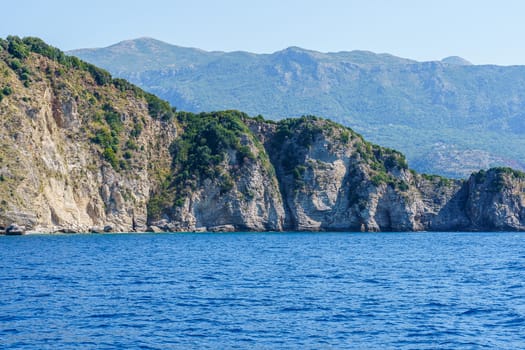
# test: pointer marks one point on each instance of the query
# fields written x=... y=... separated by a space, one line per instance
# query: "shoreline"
x=43 y=233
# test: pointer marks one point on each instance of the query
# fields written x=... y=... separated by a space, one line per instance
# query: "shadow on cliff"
x=453 y=215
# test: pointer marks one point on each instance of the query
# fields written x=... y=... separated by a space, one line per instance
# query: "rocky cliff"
x=332 y=179
x=80 y=151
x=221 y=178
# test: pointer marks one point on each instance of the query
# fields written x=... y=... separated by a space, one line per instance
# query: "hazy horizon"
x=482 y=32
x=257 y=53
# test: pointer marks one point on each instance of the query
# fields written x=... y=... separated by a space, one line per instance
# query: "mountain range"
x=81 y=151
x=449 y=117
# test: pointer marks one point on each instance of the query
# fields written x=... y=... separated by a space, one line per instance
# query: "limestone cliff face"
x=496 y=200
x=222 y=179
x=331 y=179
x=441 y=203
x=53 y=175
x=80 y=152
x=252 y=204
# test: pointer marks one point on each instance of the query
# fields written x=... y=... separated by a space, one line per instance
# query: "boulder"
x=67 y=230
x=96 y=229
x=222 y=228
x=172 y=227
x=15 y=230
x=155 y=229
x=161 y=223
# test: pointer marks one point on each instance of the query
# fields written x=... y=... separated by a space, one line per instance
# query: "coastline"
x=62 y=232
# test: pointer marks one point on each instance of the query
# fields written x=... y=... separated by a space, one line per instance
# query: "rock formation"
x=82 y=152
x=76 y=152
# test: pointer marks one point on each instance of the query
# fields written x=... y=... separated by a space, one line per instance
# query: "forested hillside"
x=448 y=117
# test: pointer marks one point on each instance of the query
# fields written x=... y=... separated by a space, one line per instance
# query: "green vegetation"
x=212 y=147
x=108 y=129
x=20 y=49
x=162 y=199
x=392 y=158
x=480 y=176
x=305 y=126
x=293 y=137
x=380 y=158
x=499 y=177
x=429 y=111
x=382 y=162
x=16 y=47
x=200 y=153
x=385 y=178
x=131 y=145
x=440 y=180
x=158 y=108
x=381 y=178
x=100 y=97
x=298 y=173
x=7 y=90
x=260 y=118
x=203 y=146
x=15 y=64
x=509 y=171
x=345 y=136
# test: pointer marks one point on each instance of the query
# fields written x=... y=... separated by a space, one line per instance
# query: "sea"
x=425 y=290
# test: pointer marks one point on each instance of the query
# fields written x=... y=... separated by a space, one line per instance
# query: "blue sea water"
x=263 y=291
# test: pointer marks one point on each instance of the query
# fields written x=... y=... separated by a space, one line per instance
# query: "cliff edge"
x=83 y=152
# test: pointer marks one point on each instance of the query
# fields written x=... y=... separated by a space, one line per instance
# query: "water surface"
x=263 y=291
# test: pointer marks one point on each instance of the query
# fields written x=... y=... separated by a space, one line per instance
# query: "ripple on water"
x=263 y=291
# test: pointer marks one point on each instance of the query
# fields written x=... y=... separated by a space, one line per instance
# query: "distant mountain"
x=460 y=61
x=449 y=117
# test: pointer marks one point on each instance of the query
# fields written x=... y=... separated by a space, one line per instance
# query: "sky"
x=481 y=31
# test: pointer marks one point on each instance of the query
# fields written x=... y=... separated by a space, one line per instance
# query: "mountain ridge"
x=152 y=42
x=460 y=61
x=476 y=111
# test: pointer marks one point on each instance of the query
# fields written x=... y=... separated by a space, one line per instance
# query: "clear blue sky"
x=482 y=31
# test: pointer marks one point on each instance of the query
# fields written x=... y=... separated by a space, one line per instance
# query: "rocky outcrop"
x=253 y=203
x=496 y=200
x=331 y=179
x=75 y=153
x=81 y=152
x=327 y=183
x=15 y=230
x=236 y=189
